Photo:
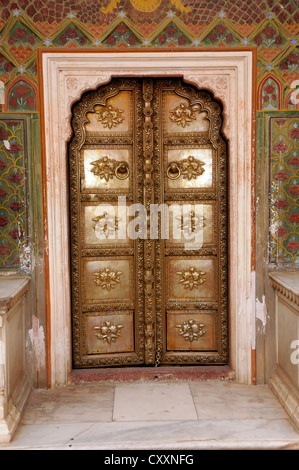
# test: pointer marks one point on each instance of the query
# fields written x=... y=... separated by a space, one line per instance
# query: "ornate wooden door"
x=148 y=224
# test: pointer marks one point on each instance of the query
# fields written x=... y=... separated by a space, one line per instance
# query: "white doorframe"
x=230 y=76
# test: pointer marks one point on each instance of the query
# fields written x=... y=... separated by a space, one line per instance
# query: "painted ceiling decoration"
x=146 y=6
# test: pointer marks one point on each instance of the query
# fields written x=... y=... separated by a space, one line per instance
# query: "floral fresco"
x=284 y=189
x=21 y=97
x=13 y=218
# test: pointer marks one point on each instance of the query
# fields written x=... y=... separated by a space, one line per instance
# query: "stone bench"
x=14 y=384
x=285 y=381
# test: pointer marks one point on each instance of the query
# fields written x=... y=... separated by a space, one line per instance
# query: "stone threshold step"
x=157 y=374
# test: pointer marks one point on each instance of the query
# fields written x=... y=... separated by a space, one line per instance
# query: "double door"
x=148 y=226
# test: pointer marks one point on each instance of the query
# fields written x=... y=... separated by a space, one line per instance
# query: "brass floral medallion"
x=191 y=330
x=182 y=115
x=107 y=278
x=109 y=116
x=191 y=278
x=108 y=332
x=189 y=168
x=106 y=224
x=106 y=168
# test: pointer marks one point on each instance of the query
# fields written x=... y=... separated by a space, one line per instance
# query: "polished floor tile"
x=154 y=402
x=84 y=402
x=150 y=415
x=221 y=401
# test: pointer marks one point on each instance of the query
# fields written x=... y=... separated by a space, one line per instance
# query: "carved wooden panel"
x=183 y=225
x=107 y=279
x=191 y=168
x=106 y=169
x=104 y=225
x=113 y=332
x=191 y=278
x=191 y=331
x=142 y=295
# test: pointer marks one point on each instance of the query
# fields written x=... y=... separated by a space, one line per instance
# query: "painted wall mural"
x=284 y=138
x=270 y=26
x=13 y=193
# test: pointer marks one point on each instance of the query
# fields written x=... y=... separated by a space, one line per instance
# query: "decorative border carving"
x=286 y=294
x=8 y=303
x=149 y=246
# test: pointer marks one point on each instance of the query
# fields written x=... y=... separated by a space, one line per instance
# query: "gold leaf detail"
x=106 y=168
x=113 y=4
x=189 y=168
x=182 y=115
x=109 y=116
x=179 y=5
x=105 y=223
x=145 y=5
x=191 y=330
x=193 y=222
x=191 y=278
x=107 y=278
x=108 y=332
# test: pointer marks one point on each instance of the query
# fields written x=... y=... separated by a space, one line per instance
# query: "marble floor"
x=172 y=415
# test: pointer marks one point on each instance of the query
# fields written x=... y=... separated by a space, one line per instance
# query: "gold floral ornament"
x=189 y=168
x=191 y=330
x=191 y=278
x=182 y=115
x=107 y=278
x=145 y=5
x=109 y=116
x=108 y=332
x=106 y=224
x=191 y=223
x=106 y=168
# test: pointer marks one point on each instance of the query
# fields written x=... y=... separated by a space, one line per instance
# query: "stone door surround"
x=230 y=75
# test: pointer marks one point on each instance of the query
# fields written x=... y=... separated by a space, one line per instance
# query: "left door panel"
x=105 y=167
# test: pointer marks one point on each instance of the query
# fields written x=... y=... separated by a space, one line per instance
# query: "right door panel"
x=191 y=258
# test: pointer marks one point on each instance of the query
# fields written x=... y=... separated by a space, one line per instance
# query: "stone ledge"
x=12 y=289
x=286 y=284
x=158 y=374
